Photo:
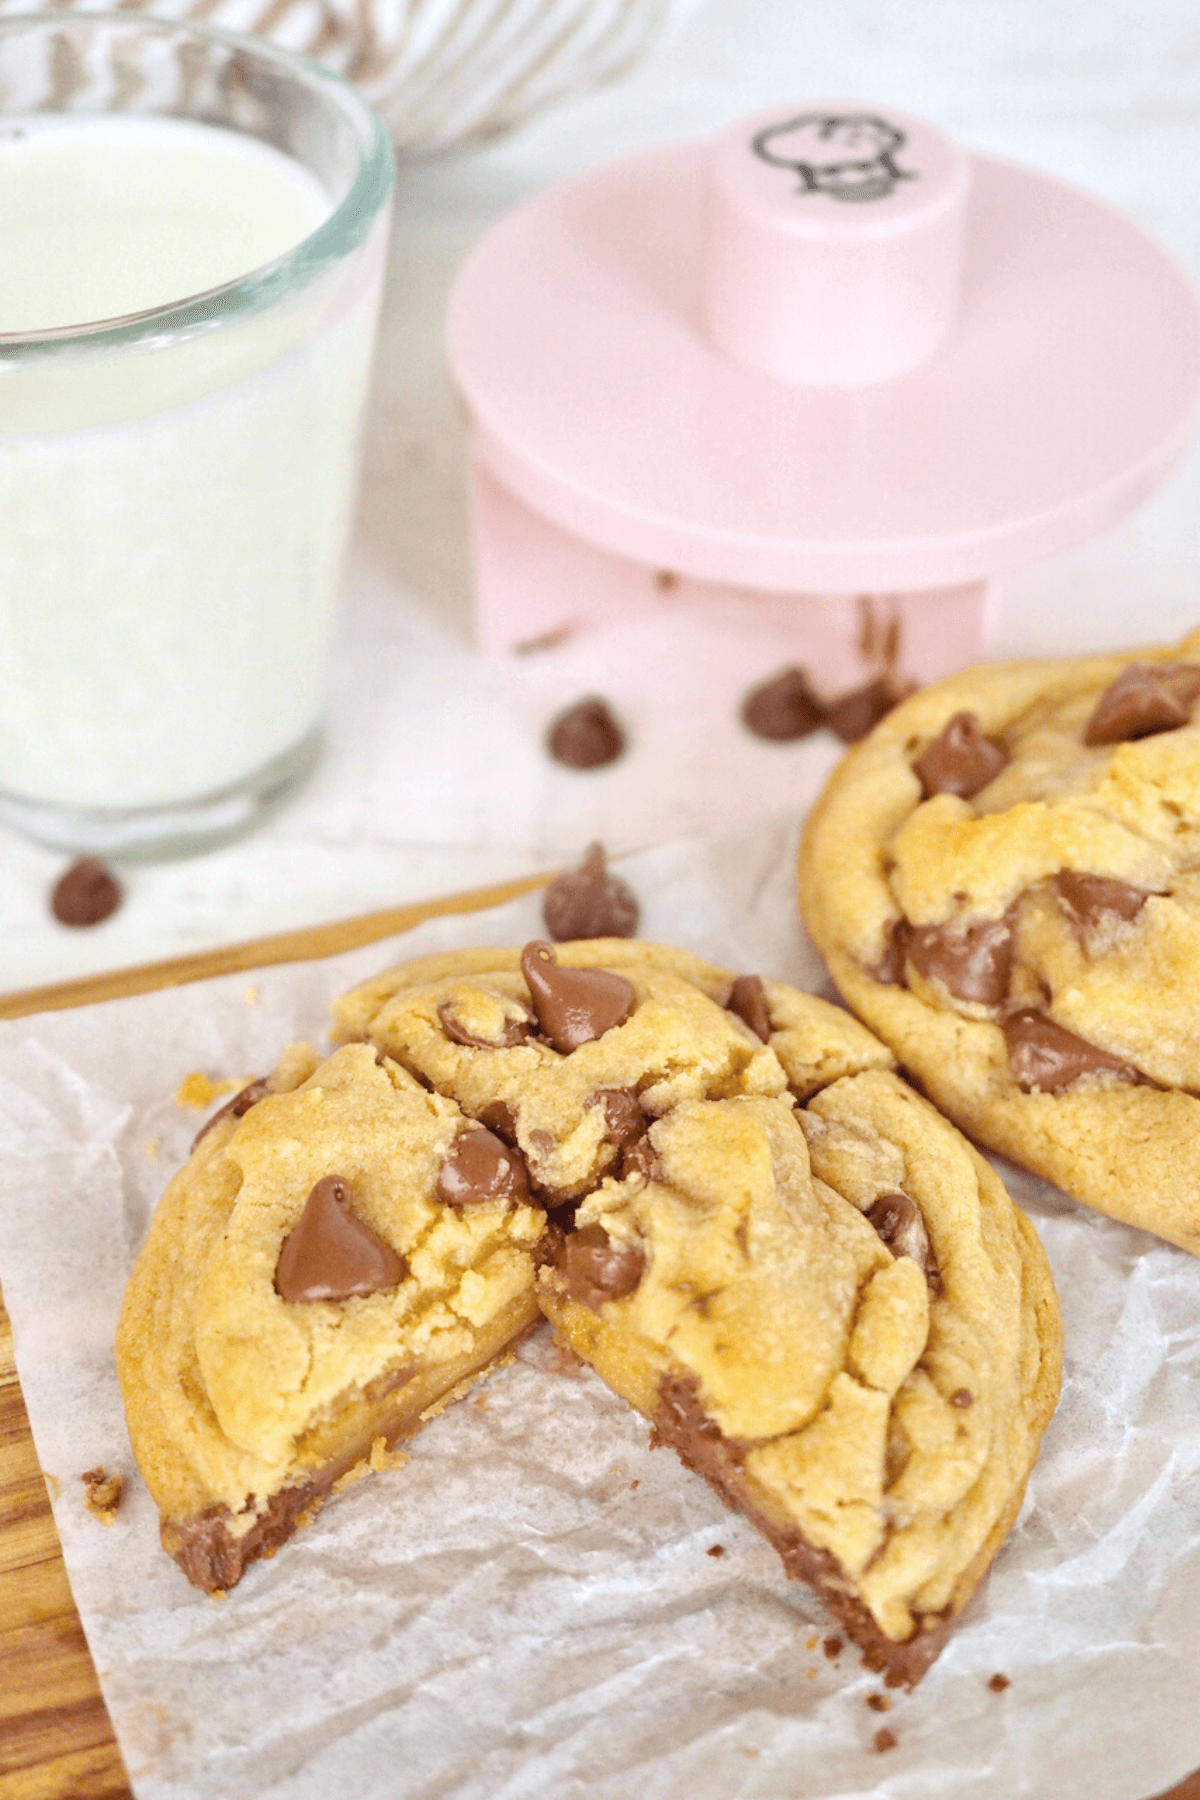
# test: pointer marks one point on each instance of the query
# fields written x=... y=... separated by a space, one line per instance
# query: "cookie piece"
x=1003 y=881
x=471 y=1026
x=837 y=1317
x=327 y=1269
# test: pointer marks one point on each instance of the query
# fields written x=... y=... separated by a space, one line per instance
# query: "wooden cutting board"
x=56 y=1740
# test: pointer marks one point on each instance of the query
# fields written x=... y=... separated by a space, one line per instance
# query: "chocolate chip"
x=783 y=708
x=590 y=902
x=480 y=1166
x=889 y=969
x=833 y=1647
x=586 y=735
x=855 y=714
x=1044 y=1057
x=885 y=1739
x=641 y=1158
x=1090 y=898
x=962 y=1397
x=900 y=1226
x=514 y=1031
x=87 y=894
x=596 y=1269
x=1142 y=701
x=879 y=1703
x=573 y=1006
x=623 y=1114
x=748 y=999
x=972 y=962
x=498 y=1116
x=332 y=1254
x=998 y=1683
x=236 y=1108
x=960 y=760
x=715 y=1550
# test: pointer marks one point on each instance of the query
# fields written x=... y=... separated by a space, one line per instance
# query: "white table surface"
x=434 y=777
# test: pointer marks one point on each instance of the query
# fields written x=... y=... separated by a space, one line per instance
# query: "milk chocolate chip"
x=857 y=713
x=783 y=708
x=596 y=1269
x=748 y=999
x=1142 y=701
x=972 y=962
x=513 y=1031
x=331 y=1254
x=573 y=1006
x=960 y=760
x=586 y=735
x=236 y=1108
x=1042 y=1056
x=622 y=1114
x=590 y=901
x=889 y=969
x=900 y=1226
x=480 y=1166
x=87 y=894
x=1091 y=898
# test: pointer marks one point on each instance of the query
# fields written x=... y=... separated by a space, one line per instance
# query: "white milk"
x=173 y=517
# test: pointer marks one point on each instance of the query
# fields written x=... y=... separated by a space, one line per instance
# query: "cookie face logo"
x=849 y=156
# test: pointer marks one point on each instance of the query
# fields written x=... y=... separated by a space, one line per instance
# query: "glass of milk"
x=193 y=228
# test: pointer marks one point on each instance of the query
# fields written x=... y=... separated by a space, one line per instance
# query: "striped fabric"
x=440 y=71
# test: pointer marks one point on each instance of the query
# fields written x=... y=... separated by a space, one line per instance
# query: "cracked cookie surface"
x=1005 y=882
x=836 y=1315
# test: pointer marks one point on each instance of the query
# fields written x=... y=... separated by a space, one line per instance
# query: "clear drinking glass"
x=177 y=485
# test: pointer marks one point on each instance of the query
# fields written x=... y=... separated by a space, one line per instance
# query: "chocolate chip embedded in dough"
x=748 y=999
x=236 y=1108
x=590 y=901
x=962 y=1397
x=641 y=1158
x=514 y=1031
x=783 y=708
x=972 y=962
x=479 y=1167
x=900 y=1226
x=853 y=715
x=1044 y=1057
x=87 y=894
x=586 y=735
x=1142 y=701
x=498 y=1116
x=960 y=760
x=623 y=1113
x=596 y=1268
x=573 y=1006
x=1091 y=898
x=332 y=1254
x=889 y=968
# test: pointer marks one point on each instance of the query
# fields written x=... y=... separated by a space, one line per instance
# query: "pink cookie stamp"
x=828 y=366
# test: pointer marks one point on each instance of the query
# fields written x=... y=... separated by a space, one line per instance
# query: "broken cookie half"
x=835 y=1315
x=330 y=1266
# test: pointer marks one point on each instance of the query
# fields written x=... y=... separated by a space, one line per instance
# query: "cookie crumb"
x=884 y=1739
x=879 y=1703
x=86 y=894
x=634 y=1486
x=833 y=1648
x=382 y=1458
x=102 y=1494
x=812 y=1643
x=715 y=1550
x=251 y=996
x=197 y=1091
x=150 y=1149
x=998 y=1683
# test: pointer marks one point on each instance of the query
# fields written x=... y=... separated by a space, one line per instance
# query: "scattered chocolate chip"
x=853 y=715
x=1142 y=701
x=1090 y=898
x=885 y=1739
x=998 y=1683
x=513 y=1031
x=590 y=901
x=586 y=735
x=1043 y=1056
x=498 y=1116
x=960 y=760
x=879 y=1703
x=962 y=1397
x=87 y=894
x=331 y=1254
x=235 y=1108
x=833 y=1648
x=715 y=1550
x=889 y=969
x=972 y=962
x=596 y=1269
x=480 y=1166
x=783 y=708
x=573 y=1006
x=900 y=1226
x=748 y=999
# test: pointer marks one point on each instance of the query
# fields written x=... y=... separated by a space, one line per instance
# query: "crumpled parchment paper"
x=531 y=1606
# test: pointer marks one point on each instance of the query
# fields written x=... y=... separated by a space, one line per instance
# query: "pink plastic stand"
x=828 y=367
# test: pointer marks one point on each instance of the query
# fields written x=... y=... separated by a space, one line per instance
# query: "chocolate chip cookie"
x=343 y=1251
x=834 y=1314
x=1005 y=882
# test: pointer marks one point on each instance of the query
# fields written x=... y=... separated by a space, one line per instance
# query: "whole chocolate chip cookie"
x=838 y=1318
x=1004 y=879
